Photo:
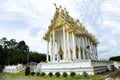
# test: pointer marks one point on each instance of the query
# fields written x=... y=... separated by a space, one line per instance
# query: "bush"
x=72 y=74
x=85 y=74
x=37 y=74
x=50 y=74
x=32 y=73
x=1 y=68
x=42 y=74
x=65 y=74
x=57 y=74
x=27 y=71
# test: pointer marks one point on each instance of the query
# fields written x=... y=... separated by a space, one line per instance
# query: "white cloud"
x=111 y=5
x=112 y=24
x=37 y=14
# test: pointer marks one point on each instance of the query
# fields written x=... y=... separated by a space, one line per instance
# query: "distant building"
x=71 y=48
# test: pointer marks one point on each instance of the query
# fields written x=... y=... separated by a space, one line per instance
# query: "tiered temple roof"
x=62 y=17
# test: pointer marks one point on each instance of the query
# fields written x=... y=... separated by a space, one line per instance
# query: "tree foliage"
x=42 y=74
x=3 y=56
x=50 y=74
x=72 y=74
x=85 y=74
x=65 y=74
x=12 y=52
x=38 y=73
x=57 y=74
x=32 y=73
x=27 y=70
x=115 y=58
x=36 y=57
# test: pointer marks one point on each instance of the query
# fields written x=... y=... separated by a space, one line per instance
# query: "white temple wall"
x=79 y=66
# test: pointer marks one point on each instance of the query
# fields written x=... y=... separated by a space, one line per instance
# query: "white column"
x=85 y=47
x=87 y=44
x=57 y=57
x=56 y=50
x=64 y=43
x=53 y=45
x=74 y=46
x=51 y=53
x=79 y=42
x=96 y=52
x=68 y=46
x=83 y=44
x=90 y=50
x=47 y=57
x=93 y=56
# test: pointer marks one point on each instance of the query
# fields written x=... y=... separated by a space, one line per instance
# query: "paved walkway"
x=113 y=76
x=17 y=79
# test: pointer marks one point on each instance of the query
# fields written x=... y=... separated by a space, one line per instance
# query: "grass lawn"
x=17 y=76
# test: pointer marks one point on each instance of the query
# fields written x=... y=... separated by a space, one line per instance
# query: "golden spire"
x=60 y=51
x=55 y=4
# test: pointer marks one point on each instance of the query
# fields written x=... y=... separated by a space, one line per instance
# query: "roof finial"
x=77 y=20
x=56 y=7
x=64 y=8
x=67 y=12
x=55 y=4
x=81 y=24
x=60 y=6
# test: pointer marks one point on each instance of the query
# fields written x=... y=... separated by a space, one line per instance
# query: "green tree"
x=57 y=74
x=1 y=55
x=37 y=57
x=12 y=44
x=72 y=74
x=32 y=73
x=23 y=47
x=13 y=52
x=50 y=74
x=3 y=58
x=65 y=74
x=42 y=74
x=27 y=70
x=85 y=74
x=3 y=42
x=115 y=58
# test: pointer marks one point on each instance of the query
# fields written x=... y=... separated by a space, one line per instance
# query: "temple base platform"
x=92 y=67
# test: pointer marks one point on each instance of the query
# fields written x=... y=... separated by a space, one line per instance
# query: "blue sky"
x=29 y=20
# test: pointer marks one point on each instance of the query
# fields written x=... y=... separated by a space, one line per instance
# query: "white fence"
x=13 y=68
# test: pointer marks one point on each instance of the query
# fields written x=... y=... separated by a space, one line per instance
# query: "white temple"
x=70 y=47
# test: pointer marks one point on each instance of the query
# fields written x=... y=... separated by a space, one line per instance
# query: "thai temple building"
x=70 y=47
